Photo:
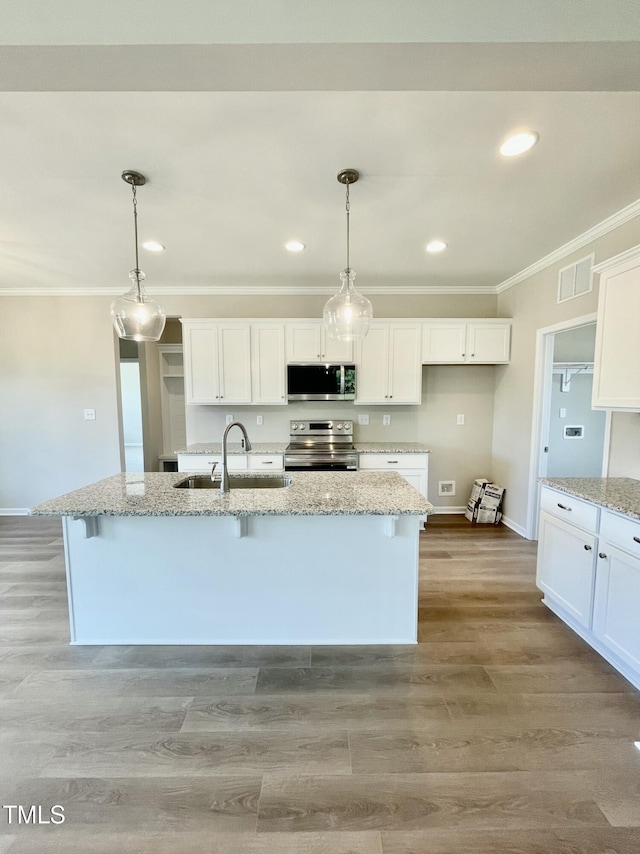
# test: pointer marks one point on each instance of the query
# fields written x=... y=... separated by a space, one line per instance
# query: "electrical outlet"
x=386 y=420
x=89 y=415
x=259 y=420
x=363 y=419
x=228 y=418
x=446 y=487
x=563 y=412
x=460 y=420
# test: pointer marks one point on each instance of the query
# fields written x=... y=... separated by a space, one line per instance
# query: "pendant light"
x=136 y=316
x=348 y=314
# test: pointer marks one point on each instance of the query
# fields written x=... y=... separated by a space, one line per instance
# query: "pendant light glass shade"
x=136 y=316
x=348 y=314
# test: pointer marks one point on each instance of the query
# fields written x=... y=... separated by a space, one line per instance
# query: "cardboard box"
x=485 y=502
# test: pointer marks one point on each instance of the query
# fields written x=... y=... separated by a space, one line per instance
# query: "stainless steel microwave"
x=321 y=382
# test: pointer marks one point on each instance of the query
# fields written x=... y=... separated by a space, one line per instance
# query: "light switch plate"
x=228 y=418
x=259 y=420
x=386 y=420
x=363 y=419
x=460 y=420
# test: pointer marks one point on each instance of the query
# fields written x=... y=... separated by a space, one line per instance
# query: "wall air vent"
x=576 y=279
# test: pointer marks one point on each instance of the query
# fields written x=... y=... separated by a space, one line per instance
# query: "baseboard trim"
x=441 y=511
x=515 y=527
x=14 y=511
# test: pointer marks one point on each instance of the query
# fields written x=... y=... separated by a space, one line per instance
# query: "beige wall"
x=58 y=357
x=533 y=305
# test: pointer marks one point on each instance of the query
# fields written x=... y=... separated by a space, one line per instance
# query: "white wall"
x=533 y=305
x=131 y=403
x=575 y=457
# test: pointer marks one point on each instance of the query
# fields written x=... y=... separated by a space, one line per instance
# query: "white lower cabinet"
x=266 y=462
x=413 y=467
x=591 y=578
x=616 y=614
x=205 y=462
x=566 y=566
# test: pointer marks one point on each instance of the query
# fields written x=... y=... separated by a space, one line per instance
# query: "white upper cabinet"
x=217 y=362
x=308 y=342
x=388 y=364
x=616 y=370
x=268 y=366
x=480 y=342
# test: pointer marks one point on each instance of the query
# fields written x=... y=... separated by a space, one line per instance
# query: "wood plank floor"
x=501 y=731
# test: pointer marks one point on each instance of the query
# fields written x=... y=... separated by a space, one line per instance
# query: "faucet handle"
x=213 y=468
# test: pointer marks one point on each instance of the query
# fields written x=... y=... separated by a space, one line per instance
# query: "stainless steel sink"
x=203 y=481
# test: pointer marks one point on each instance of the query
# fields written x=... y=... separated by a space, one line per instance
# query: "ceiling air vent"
x=576 y=279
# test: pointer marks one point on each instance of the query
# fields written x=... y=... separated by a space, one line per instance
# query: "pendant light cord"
x=135 y=230
x=348 y=209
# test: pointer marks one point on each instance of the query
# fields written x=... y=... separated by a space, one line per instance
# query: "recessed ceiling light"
x=518 y=143
x=436 y=246
x=294 y=246
x=153 y=246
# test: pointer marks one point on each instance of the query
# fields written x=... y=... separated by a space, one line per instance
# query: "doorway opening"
x=569 y=439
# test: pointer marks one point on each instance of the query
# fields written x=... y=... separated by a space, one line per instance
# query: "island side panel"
x=290 y=580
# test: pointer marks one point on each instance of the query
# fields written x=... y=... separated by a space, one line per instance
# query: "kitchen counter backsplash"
x=621 y=494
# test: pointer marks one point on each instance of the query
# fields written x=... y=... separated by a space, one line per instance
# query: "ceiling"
x=237 y=170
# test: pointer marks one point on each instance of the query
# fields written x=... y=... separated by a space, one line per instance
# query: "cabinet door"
x=616 y=609
x=372 y=371
x=336 y=351
x=443 y=343
x=304 y=341
x=488 y=343
x=566 y=566
x=405 y=367
x=200 y=342
x=268 y=367
x=234 y=362
x=616 y=370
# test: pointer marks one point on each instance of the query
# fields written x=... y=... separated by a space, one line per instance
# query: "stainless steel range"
x=321 y=446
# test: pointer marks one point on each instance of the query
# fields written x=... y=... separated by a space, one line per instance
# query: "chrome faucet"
x=224 y=481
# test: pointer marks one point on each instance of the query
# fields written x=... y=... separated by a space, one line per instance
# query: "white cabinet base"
x=264 y=580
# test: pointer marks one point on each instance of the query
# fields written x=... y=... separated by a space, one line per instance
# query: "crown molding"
x=629 y=212
x=245 y=290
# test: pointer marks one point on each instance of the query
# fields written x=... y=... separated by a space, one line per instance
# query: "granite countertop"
x=234 y=448
x=391 y=448
x=310 y=494
x=621 y=494
x=280 y=447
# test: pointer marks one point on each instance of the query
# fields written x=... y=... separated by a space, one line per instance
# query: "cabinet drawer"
x=621 y=531
x=266 y=462
x=204 y=462
x=572 y=510
x=392 y=461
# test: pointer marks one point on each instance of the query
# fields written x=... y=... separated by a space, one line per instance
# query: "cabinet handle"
x=318 y=356
x=636 y=539
x=473 y=355
x=587 y=548
x=267 y=462
x=392 y=462
x=602 y=555
x=463 y=355
x=562 y=507
x=390 y=396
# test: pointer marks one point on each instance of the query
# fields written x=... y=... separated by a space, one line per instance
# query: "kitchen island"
x=330 y=559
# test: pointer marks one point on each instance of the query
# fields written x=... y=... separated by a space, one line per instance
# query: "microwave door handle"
x=342 y=373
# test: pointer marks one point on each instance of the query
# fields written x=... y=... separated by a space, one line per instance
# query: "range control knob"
x=302 y=425
x=347 y=426
x=294 y=426
x=339 y=427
